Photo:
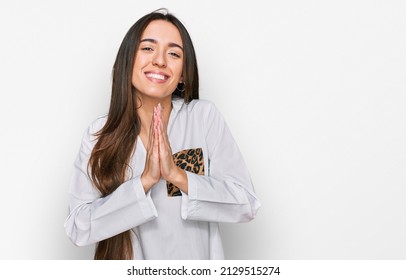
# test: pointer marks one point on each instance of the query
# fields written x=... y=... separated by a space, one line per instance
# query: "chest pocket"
x=190 y=160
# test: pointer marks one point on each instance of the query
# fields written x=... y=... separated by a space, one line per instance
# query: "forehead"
x=163 y=32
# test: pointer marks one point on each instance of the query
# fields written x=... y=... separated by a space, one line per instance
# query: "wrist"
x=179 y=179
x=147 y=182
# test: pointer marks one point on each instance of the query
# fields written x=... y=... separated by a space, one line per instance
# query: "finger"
x=158 y=121
x=155 y=137
x=160 y=138
x=164 y=133
x=159 y=116
x=156 y=116
x=160 y=113
x=151 y=131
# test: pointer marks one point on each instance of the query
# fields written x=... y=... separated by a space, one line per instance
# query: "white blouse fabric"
x=165 y=222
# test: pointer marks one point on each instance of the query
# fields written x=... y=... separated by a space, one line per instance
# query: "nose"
x=159 y=59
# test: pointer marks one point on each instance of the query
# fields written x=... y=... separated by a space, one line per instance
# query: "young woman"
x=154 y=177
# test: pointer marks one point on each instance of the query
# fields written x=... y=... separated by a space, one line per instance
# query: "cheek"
x=136 y=69
x=139 y=61
x=134 y=74
x=179 y=70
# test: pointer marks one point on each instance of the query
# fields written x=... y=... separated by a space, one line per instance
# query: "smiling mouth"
x=157 y=76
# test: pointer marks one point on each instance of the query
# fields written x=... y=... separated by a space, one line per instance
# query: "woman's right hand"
x=152 y=173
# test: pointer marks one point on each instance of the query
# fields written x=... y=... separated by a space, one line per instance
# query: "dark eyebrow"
x=155 y=42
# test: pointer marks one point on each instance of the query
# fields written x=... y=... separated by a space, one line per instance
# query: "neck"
x=146 y=109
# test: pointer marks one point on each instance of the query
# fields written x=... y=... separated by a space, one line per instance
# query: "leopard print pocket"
x=190 y=160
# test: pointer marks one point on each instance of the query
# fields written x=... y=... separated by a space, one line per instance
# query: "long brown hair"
x=109 y=161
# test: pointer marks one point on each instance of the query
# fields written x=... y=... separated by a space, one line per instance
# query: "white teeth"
x=156 y=76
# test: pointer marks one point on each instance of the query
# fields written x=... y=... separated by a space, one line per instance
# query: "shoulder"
x=94 y=127
x=204 y=112
x=98 y=123
x=200 y=106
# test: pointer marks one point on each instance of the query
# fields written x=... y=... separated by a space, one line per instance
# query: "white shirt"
x=165 y=226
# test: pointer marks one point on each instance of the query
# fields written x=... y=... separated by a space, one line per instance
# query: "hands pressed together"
x=159 y=162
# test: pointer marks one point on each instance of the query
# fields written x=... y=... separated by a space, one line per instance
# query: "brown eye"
x=148 y=49
x=174 y=54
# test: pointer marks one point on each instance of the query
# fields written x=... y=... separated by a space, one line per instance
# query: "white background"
x=313 y=91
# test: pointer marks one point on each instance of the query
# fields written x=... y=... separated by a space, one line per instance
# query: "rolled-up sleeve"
x=93 y=218
x=225 y=193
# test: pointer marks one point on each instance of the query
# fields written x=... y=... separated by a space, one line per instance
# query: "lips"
x=157 y=76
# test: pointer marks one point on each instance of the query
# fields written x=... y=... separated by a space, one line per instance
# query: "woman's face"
x=158 y=61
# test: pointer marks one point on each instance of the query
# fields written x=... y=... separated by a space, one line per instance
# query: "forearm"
x=219 y=200
x=104 y=217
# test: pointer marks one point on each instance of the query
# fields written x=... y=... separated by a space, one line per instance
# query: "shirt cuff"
x=147 y=205
x=189 y=200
